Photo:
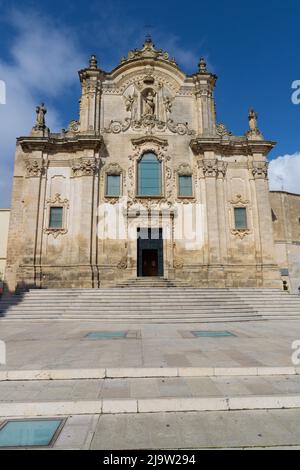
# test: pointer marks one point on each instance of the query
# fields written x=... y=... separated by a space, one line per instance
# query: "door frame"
x=150 y=244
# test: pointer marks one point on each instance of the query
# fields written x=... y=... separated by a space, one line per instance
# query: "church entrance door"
x=150 y=253
x=150 y=263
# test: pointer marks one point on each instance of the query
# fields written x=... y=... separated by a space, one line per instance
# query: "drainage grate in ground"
x=107 y=335
x=30 y=433
x=212 y=334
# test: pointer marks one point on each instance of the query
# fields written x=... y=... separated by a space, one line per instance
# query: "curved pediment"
x=147 y=65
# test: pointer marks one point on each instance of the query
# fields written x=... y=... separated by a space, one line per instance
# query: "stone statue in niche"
x=149 y=103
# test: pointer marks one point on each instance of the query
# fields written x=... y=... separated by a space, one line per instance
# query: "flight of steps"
x=148 y=304
x=150 y=282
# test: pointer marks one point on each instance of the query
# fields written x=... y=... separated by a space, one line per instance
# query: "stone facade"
x=4 y=223
x=286 y=225
x=146 y=104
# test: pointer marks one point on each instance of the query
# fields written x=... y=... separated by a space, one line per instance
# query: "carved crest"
x=34 y=168
x=239 y=201
x=85 y=167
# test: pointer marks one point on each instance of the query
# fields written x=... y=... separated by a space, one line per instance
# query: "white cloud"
x=44 y=61
x=284 y=173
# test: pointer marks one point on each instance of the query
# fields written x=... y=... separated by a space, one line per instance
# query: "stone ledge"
x=156 y=405
x=114 y=373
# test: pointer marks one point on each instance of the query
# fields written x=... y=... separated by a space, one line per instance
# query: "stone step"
x=144 y=304
x=154 y=321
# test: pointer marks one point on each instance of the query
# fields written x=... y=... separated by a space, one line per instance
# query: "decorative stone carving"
x=167 y=104
x=115 y=127
x=184 y=170
x=239 y=201
x=85 y=167
x=40 y=129
x=57 y=201
x=149 y=103
x=149 y=123
x=113 y=169
x=40 y=116
x=123 y=264
x=260 y=170
x=74 y=126
x=222 y=168
x=222 y=131
x=213 y=168
x=55 y=232
x=202 y=66
x=240 y=233
x=178 y=263
x=93 y=63
x=148 y=52
x=254 y=132
x=34 y=168
x=179 y=128
x=159 y=148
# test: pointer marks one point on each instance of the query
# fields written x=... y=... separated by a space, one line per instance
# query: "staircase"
x=151 y=301
x=150 y=282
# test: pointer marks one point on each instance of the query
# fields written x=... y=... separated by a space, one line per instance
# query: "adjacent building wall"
x=4 y=223
x=286 y=225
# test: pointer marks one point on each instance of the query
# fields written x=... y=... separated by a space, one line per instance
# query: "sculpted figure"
x=129 y=100
x=253 y=120
x=40 y=115
x=168 y=104
x=149 y=105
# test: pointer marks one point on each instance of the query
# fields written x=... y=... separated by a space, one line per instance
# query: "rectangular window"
x=56 y=217
x=240 y=217
x=185 y=186
x=113 y=184
x=149 y=176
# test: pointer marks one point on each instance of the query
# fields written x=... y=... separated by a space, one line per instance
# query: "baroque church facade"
x=145 y=184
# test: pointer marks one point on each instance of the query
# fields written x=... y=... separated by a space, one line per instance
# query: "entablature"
x=231 y=146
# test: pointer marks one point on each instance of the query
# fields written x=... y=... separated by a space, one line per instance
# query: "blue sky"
x=251 y=45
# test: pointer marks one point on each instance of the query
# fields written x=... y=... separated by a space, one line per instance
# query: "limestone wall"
x=4 y=223
x=146 y=104
x=286 y=226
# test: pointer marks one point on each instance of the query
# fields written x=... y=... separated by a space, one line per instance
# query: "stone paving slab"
x=57 y=345
x=123 y=389
x=206 y=430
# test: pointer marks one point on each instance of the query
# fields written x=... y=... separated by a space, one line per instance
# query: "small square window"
x=185 y=186
x=240 y=218
x=56 y=218
x=113 y=184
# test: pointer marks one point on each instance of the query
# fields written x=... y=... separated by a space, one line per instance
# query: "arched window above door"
x=149 y=176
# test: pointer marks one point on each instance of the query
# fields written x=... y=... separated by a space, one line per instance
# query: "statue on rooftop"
x=40 y=116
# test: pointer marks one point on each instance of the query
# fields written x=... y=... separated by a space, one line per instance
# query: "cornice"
x=57 y=143
x=231 y=145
